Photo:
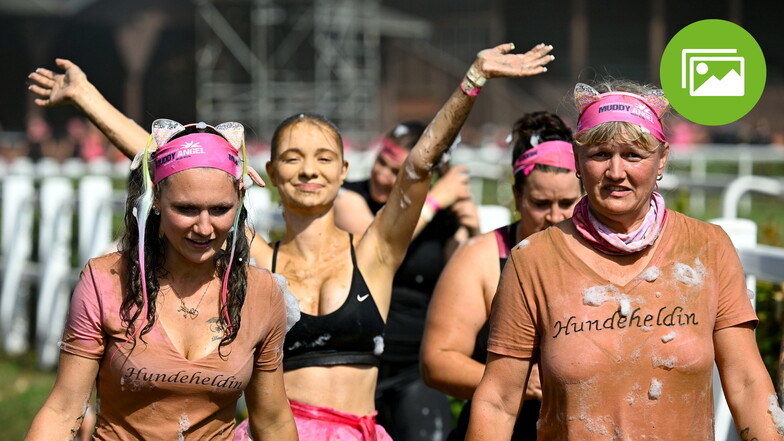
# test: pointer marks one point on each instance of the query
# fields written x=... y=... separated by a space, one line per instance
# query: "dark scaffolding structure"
x=268 y=59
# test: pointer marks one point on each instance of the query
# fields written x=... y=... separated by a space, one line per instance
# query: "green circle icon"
x=713 y=72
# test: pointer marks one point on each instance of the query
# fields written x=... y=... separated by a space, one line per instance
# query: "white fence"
x=48 y=196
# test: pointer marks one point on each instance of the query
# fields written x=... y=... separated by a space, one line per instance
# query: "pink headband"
x=389 y=148
x=554 y=153
x=621 y=106
x=196 y=150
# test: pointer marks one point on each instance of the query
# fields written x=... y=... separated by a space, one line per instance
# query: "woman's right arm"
x=498 y=398
x=455 y=316
x=62 y=412
x=72 y=87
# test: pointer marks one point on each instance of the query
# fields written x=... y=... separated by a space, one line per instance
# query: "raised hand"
x=453 y=186
x=498 y=62
x=54 y=89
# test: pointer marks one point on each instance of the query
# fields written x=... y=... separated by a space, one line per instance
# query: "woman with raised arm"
x=343 y=282
x=454 y=348
x=175 y=326
x=407 y=408
x=625 y=306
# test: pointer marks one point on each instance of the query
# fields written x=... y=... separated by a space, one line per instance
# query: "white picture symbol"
x=714 y=74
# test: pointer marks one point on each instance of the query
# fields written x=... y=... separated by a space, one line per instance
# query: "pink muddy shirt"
x=631 y=362
x=156 y=393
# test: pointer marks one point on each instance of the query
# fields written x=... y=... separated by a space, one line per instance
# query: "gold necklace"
x=192 y=312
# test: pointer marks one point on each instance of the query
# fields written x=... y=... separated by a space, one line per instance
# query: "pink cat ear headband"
x=597 y=108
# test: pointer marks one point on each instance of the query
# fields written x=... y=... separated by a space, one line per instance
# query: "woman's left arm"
x=392 y=229
x=269 y=413
x=746 y=384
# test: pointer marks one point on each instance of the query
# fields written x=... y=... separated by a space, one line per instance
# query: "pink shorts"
x=324 y=424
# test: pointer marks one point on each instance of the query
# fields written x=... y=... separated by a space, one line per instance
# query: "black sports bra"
x=352 y=334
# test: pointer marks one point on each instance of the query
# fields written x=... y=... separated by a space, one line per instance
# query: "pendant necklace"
x=192 y=312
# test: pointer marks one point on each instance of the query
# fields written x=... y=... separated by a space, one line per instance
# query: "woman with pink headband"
x=454 y=347
x=342 y=282
x=176 y=325
x=626 y=306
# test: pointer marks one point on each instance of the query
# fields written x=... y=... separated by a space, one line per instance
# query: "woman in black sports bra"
x=454 y=348
x=407 y=408
x=330 y=398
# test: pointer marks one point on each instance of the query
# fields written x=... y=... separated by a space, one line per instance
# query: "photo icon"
x=713 y=72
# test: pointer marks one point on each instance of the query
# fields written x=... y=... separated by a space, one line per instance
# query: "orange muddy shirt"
x=631 y=362
x=156 y=393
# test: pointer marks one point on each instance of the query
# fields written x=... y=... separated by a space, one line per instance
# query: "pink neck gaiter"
x=609 y=242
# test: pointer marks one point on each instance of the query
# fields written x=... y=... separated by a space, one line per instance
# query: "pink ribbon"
x=365 y=424
x=621 y=106
x=554 y=153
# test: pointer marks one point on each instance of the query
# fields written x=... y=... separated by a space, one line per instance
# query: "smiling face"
x=619 y=177
x=547 y=198
x=308 y=168
x=197 y=211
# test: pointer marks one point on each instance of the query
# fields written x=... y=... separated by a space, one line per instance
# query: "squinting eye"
x=188 y=211
x=219 y=211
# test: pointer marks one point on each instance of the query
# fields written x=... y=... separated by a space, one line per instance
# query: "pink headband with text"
x=196 y=150
x=621 y=106
x=554 y=153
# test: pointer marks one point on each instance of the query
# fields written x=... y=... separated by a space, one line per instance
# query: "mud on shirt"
x=631 y=362
x=156 y=393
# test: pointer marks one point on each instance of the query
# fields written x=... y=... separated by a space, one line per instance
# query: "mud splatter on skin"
x=776 y=414
x=651 y=274
x=654 y=392
x=669 y=337
x=405 y=201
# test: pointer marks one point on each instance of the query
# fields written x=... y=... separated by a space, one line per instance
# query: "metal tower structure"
x=260 y=61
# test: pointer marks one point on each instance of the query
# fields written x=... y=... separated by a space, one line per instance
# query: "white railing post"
x=17 y=246
x=261 y=210
x=54 y=255
x=743 y=233
x=95 y=216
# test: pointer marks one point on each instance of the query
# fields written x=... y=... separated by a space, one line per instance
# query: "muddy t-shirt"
x=629 y=362
x=156 y=393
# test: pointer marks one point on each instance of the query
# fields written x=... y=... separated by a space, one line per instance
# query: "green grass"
x=23 y=389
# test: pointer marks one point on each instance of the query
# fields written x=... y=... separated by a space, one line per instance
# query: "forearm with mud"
x=440 y=133
x=123 y=132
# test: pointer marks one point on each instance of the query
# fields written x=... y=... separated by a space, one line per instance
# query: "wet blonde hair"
x=620 y=131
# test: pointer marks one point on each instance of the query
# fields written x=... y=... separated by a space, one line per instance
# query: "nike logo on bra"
x=362 y=298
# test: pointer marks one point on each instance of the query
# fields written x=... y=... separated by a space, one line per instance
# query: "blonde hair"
x=620 y=131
